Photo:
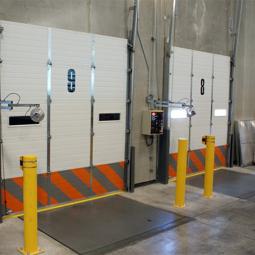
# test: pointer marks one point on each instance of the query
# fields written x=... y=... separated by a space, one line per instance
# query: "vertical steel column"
x=92 y=104
x=212 y=97
x=129 y=166
x=164 y=141
x=49 y=88
x=1 y=139
x=132 y=167
x=191 y=103
x=239 y=10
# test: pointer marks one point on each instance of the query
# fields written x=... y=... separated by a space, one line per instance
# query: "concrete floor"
x=223 y=225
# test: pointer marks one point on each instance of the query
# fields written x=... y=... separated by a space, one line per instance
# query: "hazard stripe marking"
x=84 y=175
x=109 y=186
x=41 y=194
x=12 y=202
x=195 y=159
x=77 y=183
x=66 y=185
x=118 y=170
x=171 y=171
x=189 y=170
x=192 y=166
x=220 y=155
x=53 y=192
x=13 y=188
x=112 y=176
x=122 y=164
x=224 y=150
x=60 y=182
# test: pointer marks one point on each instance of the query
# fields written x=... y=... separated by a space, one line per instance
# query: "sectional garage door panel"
x=24 y=54
x=201 y=79
x=220 y=98
x=110 y=98
x=70 y=111
x=201 y=97
x=180 y=90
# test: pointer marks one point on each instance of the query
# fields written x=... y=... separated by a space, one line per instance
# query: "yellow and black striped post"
x=181 y=173
x=28 y=164
x=209 y=141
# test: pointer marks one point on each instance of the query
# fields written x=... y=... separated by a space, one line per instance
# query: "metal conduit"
x=164 y=143
x=129 y=149
x=1 y=142
x=239 y=10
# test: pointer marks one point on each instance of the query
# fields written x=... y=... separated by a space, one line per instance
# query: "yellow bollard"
x=181 y=173
x=209 y=141
x=29 y=166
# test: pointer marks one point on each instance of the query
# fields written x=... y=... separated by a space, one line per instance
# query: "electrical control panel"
x=152 y=122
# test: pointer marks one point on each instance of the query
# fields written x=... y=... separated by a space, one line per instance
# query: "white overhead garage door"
x=202 y=78
x=59 y=64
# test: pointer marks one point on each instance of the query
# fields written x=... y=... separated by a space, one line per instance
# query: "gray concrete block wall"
x=239 y=72
x=68 y=14
x=200 y=25
x=203 y=25
x=249 y=61
x=245 y=66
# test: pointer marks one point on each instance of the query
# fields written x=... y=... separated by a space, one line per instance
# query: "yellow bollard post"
x=209 y=141
x=29 y=166
x=181 y=173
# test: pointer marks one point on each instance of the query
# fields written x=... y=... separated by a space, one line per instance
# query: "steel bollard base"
x=179 y=206
x=22 y=251
x=207 y=196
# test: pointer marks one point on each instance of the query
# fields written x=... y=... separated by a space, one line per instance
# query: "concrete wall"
x=200 y=25
x=203 y=25
x=245 y=66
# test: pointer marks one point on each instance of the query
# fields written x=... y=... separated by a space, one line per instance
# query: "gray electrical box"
x=152 y=122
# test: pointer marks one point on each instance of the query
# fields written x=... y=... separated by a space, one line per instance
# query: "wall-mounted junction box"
x=152 y=122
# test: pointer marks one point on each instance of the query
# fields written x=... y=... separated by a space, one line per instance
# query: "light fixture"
x=178 y=113
x=220 y=112
x=37 y=114
x=190 y=112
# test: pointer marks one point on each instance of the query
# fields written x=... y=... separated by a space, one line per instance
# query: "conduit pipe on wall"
x=154 y=71
x=129 y=149
x=162 y=170
x=235 y=34
x=1 y=142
